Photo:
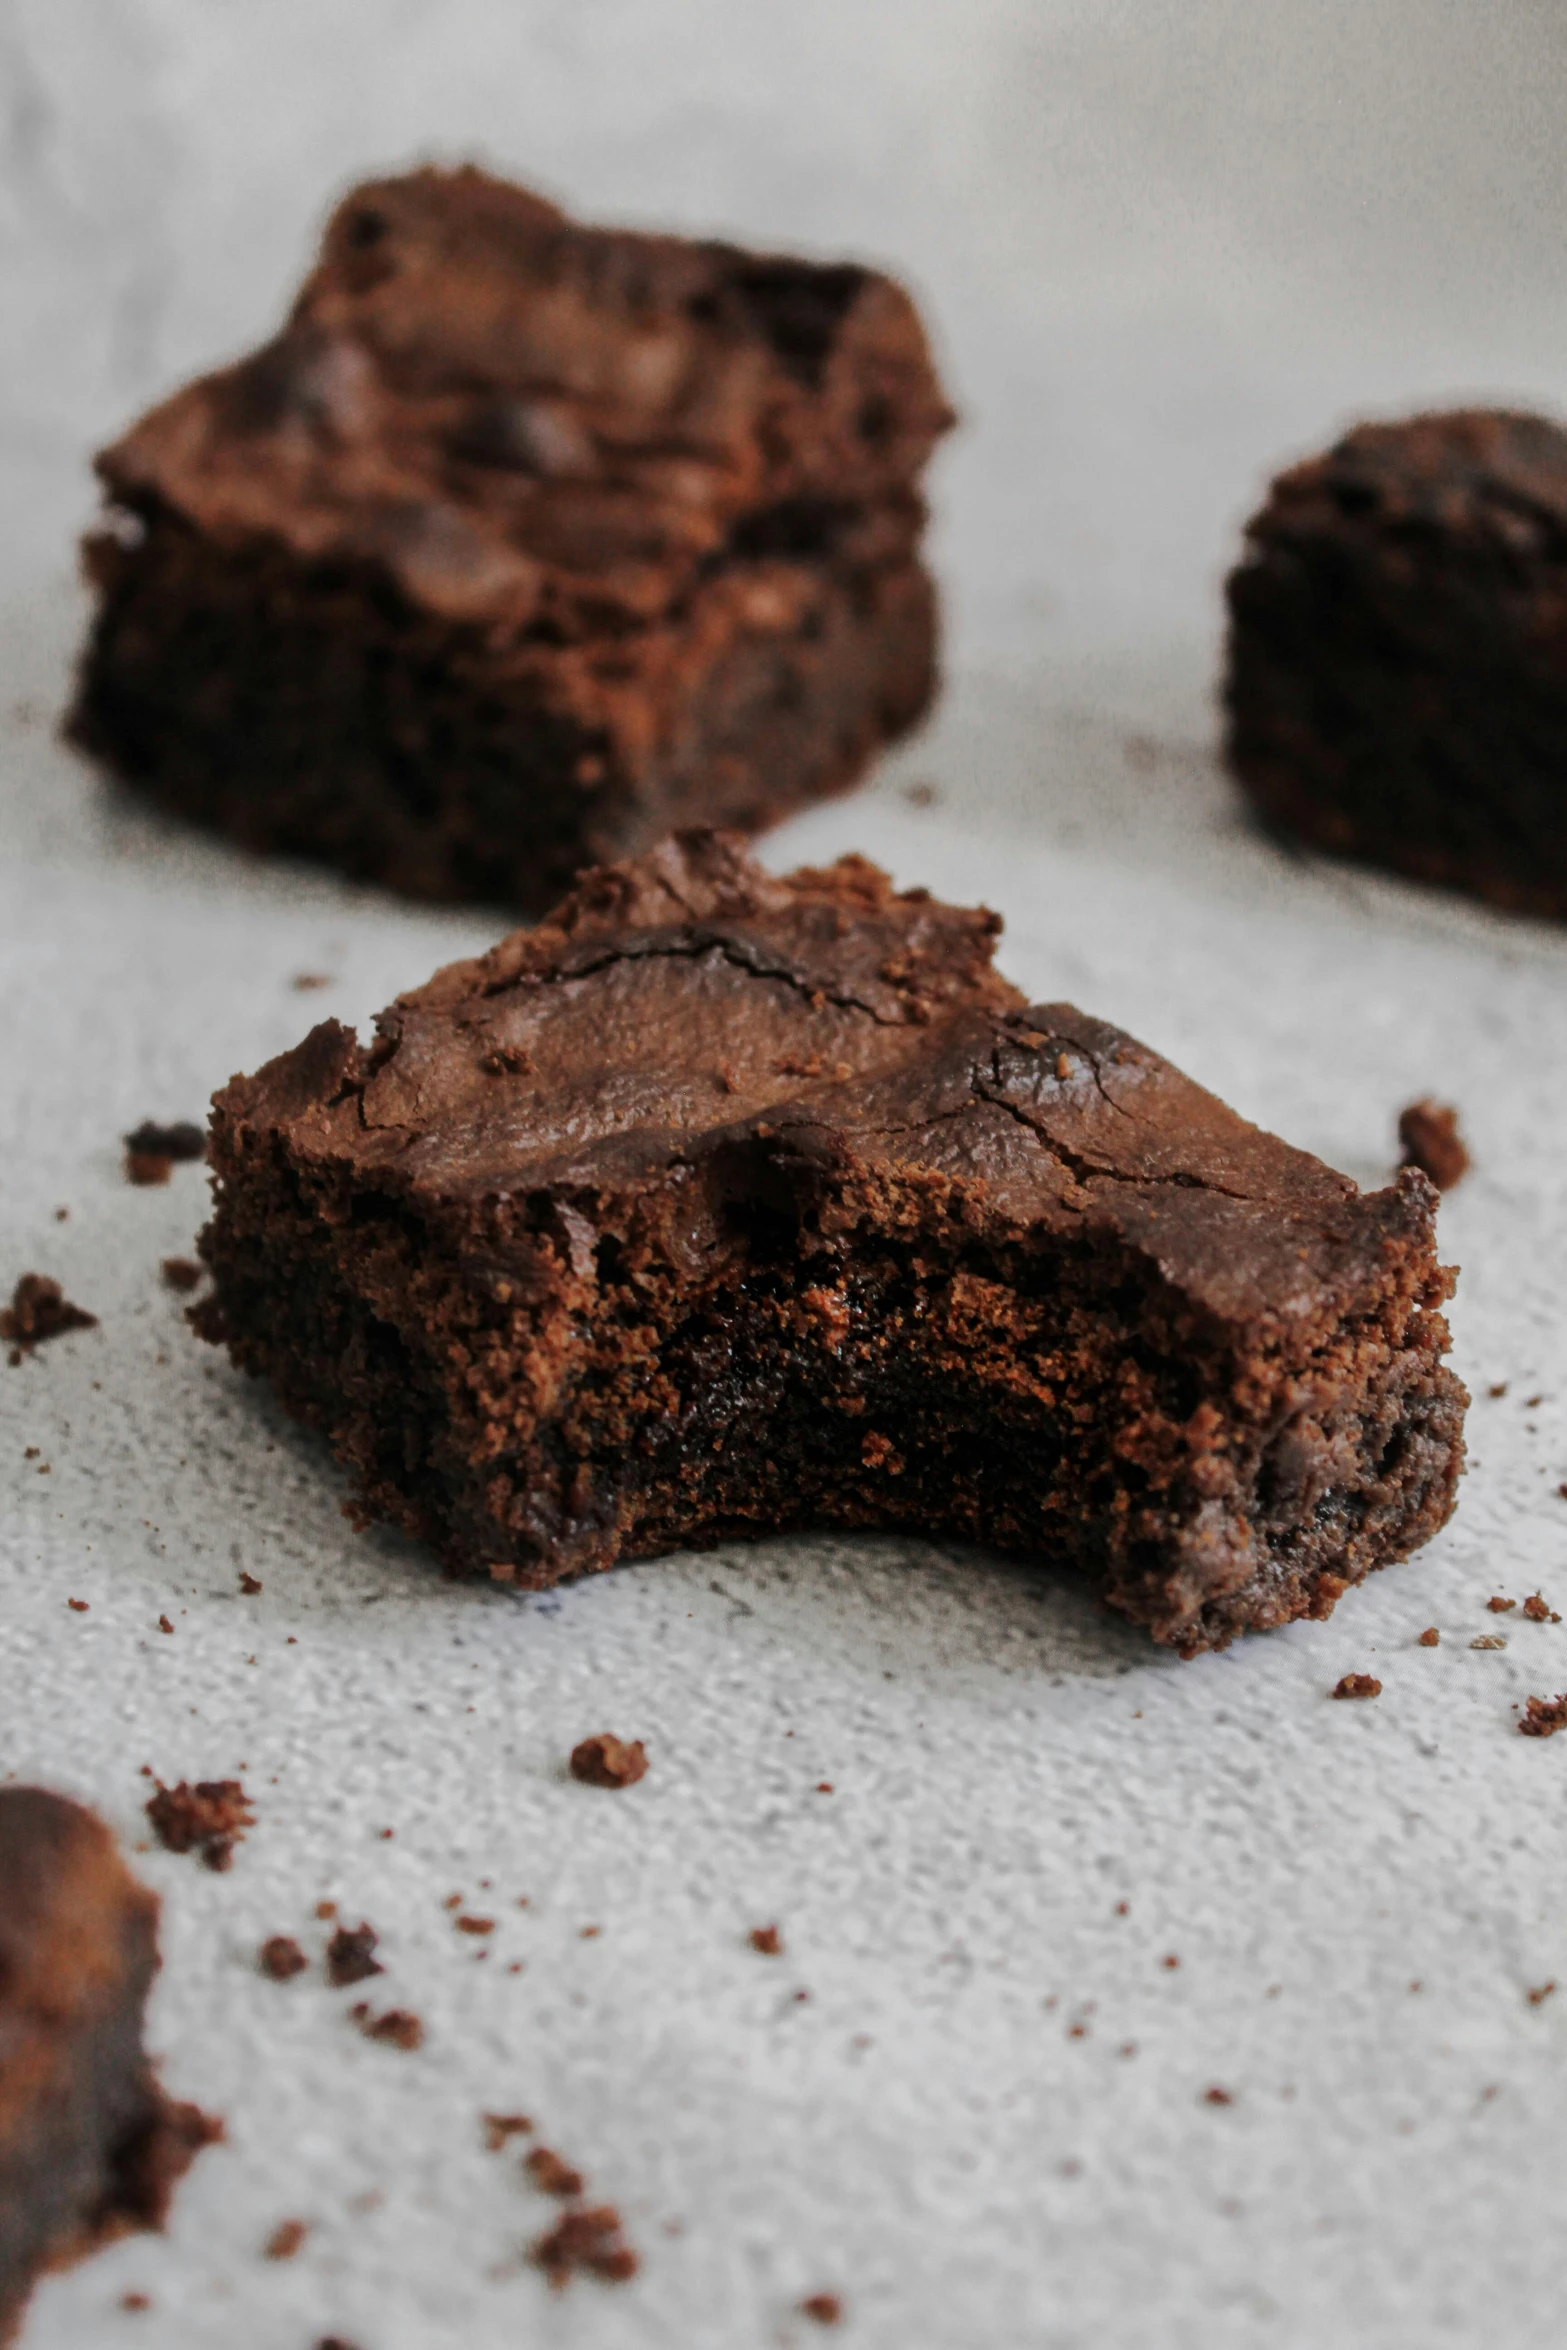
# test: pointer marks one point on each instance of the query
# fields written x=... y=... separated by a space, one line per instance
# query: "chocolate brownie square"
x=522 y=543
x=722 y=1204
x=89 y=2144
x=1397 y=686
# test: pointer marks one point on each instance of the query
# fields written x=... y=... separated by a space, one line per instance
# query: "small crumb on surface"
x=286 y=2239
x=135 y=2301
x=1428 y=1132
x=1488 y=1640
x=1429 y=1638
x=586 y=2240
x=250 y=1585
x=350 y=1956
x=551 y=2174
x=1169 y=1960
x=1539 y=1610
x=181 y=1273
x=1218 y=2096
x=499 y=2128
x=473 y=1925
x=606 y=1761
x=824 y=1786
x=399 y=2027
x=823 y=2309
x=209 y=1817
x=1543 y=1717
x=1541 y=1992
x=1358 y=1685
x=1499 y=1606
x=767 y=1940
x=304 y=981
x=79 y=1606
x=39 y=1310
x=281 y=1958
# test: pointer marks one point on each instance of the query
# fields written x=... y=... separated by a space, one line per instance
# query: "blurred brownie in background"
x=90 y=2145
x=1397 y=686
x=522 y=543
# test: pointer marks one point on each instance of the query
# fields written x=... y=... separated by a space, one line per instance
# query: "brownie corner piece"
x=1396 y=685
x=723 y=1204
x=521 y=543
x=90 y=2144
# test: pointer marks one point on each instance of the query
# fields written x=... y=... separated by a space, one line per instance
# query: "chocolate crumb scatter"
x=1543 y=1717
x=1540 y=1993
x=399 y=2027
x=551 y=2174
x=767 y=1940
x=500 y=2128
x=180 y=1273
x=281 y=1958
x=823 y=2309
x=210 y=1818
x=1539 y=1610
x=606 y=1761
x=1358 y=1685
x=1499 y=1606
x=588 y=2240
x=286 y=2239
x=350 y=1956
x=1428 y=1132
x=39 y=1310
x=1429 y=1638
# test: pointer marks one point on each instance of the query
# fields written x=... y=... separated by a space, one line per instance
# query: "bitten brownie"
x=1397 y=686
x=721 y=1204
x=89 y=2144
x=523 y=543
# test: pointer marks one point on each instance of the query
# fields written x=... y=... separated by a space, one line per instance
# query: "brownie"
x=721 y=1204
x=1397 y=684
x=89 y=2143
x=520 y=544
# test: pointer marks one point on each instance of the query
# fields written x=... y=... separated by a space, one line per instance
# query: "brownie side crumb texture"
x=1397 y=669
x=1429 y=1139
x=39 y=1310
x=519 y=544
x=90 y=2145
x=209 y=1817
x=605 y=1761
x=798 y=1215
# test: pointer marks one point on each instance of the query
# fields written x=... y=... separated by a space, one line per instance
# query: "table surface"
x=1163 y=251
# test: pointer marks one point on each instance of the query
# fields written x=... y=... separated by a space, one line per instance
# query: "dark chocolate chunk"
x=521 y=543
x=89 y=2143
x=991 y=1271
x=1397 y=686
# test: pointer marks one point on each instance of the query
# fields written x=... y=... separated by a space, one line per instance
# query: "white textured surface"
x=1164 y=248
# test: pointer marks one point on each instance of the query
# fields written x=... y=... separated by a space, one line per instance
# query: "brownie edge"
x=90 y=2145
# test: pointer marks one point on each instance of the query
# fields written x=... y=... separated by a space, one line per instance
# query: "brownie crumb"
x=550 y=2174
x=135 y=2301
x=209 y=1817
x=1218 y=2096
x=305 y=982
x=823 y=2309
x=250 y=1585
x=472 y=1925
x=606 y=1761
x=1358 y=1685
x=336 y=2342
x=399 y=2026
x=1429 y=1638
x=39 y=1309
x=164 y=1624
x=589 y=2240
x=1540 y=1993
x=286 y=2239
x=179 y=1142
x=499 y=2128
x=1539 y=1610
x=1499 y=1606
x=349 y=1956
x=1431 y=1141
x=78 y=1607
x=1543 y=1717
x=767 y=1940
x=181 y=1272
x=281 y=1958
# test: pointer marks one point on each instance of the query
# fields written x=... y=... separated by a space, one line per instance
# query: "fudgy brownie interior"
x=722 y=1204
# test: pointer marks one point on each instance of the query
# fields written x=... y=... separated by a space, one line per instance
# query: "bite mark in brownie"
x=520 y=544
x=597 y=1308
x=90 y=2145
x=1397 y=672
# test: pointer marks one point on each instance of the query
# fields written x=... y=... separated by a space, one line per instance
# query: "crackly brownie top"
x=73 y=1921
x=1491 y=472
x=538 y=425
x=685 y=1020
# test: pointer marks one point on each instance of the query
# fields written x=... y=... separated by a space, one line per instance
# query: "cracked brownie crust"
x=523 y=543
x=1397 y=683
x=722 y=1204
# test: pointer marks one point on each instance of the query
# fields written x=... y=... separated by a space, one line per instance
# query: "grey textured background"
x=1164 y=247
